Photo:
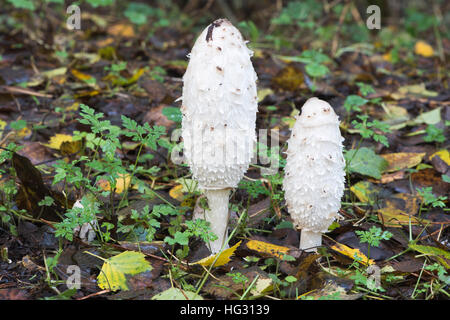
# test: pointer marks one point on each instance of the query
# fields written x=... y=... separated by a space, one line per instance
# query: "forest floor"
x=89 y=115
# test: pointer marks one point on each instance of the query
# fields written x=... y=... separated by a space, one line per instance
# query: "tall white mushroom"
x=219 y=114
x=314 y=172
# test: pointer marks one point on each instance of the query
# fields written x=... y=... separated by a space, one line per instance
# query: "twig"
x=94 y=294
x=25 y=91
x=334 y=44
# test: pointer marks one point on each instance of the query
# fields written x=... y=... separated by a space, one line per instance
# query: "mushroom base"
x=217 y=216
x=309 y=240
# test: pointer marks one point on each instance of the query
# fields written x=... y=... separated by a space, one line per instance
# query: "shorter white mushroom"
x=314 y=173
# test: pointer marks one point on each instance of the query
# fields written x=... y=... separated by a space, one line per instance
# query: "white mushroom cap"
x=219 y=107
x=314 y=172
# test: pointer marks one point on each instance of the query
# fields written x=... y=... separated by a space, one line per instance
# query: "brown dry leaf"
x=389 y=177
x=155 y=117
x=13 y=294
x=402 y=160
x=430 y=178
x=400 y=210
x=35 y=151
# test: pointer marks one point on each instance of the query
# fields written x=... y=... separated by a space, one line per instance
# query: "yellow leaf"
x=387 y=57
x=365 y=191
x=443 y=154
x=267 y=248
x=400 y=210
x=122 y=30
x=290 y=78
x=24 y=132
x=80 y=75
x=352 y=253
x=70 y=147
x=413 y=90
x=56 y=141
x=177 y=192
x=402 y=160
x=262 y=286
x=136 y=75
x=122 y=183
x=2 y=127
x=264 y=92
x=112 y=275
x=223 y=258
x=423 y=49
x=73 y=107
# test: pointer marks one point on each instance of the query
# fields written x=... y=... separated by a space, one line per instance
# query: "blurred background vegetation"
x=277 y=23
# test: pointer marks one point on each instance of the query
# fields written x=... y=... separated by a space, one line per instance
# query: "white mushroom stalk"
x=219 y=115
x=314 y=172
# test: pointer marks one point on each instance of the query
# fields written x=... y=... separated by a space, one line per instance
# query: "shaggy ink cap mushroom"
x=219 y=117
x=314 y=172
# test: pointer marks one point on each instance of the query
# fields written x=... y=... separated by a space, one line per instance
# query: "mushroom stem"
x=217 y=216
x=310 y=240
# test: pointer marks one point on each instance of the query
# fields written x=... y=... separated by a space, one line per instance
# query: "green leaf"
x=112 y=275
x=446 y=178
x=176 y=294
x=22 y=4
x=442 y=255
x=353 y=102
x=100 y=3
x=18 y=125
x=364 y=161
x=173 y=114
x=316 y=70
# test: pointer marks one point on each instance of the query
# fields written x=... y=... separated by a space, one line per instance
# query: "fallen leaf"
x=443 y=154
x=177 y=192
x=413 y=91
x=122 y=30
x=224 y=257
x=267 y=248
x=123 y=183
x=365 y=191
x=80 y=75
x=352 y=253
x=262 y=286
x=402 y=160
x=389 y=177
x=400 y=210
x=429 y=117
x=176 y=294
x=114 y=269
x=366 y=162
x=423 y=49
x=263 y=93
x=442 y=255
x=56 y=140
x=289 y=78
